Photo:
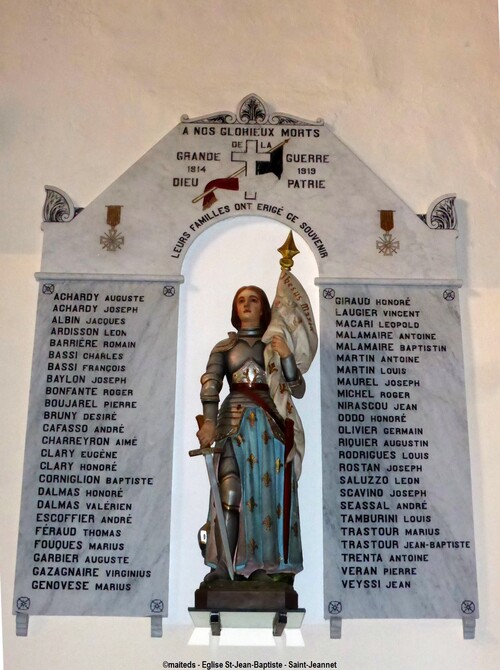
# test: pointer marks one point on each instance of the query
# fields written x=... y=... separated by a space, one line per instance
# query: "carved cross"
x=251 y=156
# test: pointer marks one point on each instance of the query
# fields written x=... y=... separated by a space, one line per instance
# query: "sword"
x=208 y=453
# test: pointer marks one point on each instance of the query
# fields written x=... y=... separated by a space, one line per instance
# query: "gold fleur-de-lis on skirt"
x=267 y=523
x=283 y=388
x=252 y=546
x=289 y=407
x=266 y=479
x=251 y=504
x=239 y=440
x=265 y=437
x=271 y=368
x=252 y=460
x=278 y=465
x=278 y=511
x=251 y=419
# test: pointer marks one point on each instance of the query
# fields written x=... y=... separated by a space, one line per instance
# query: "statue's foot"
x=260 y=576
x=219 y=573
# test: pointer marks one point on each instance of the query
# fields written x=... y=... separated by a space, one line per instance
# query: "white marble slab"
x=398 y=526
x=320 y=189
x=95 y=514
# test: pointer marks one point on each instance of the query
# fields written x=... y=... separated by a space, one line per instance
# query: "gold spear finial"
x=288 y=250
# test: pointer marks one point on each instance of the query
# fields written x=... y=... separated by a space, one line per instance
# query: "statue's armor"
x=240 y=359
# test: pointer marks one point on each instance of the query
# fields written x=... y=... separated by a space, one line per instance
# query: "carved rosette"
x=441 y=214
x=58 y=206
x=252 y=110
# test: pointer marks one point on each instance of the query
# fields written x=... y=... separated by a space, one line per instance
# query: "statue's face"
x=249 y=308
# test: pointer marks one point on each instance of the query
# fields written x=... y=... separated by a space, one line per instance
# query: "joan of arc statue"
x=258 y=433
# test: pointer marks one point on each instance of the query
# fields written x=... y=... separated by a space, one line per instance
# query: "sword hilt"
x=204 y=451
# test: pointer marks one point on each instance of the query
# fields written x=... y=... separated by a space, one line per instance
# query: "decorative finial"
x=288 y=251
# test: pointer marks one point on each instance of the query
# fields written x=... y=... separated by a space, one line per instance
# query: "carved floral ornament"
x=441 y=214
x=58 y=206
x=253 y=110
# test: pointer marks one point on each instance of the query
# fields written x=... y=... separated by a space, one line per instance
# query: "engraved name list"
x=92 y=461
x=394 y=444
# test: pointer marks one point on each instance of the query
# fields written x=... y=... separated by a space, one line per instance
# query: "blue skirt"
x=261 y=461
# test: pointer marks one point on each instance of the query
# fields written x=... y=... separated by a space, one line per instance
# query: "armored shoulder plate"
x=227 y=344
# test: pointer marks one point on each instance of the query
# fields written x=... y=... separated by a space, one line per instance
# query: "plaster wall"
x=412 y=88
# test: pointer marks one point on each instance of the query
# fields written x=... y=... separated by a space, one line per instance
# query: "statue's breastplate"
x=245 y=363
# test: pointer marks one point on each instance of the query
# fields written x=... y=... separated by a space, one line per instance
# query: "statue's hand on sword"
x=206 y=432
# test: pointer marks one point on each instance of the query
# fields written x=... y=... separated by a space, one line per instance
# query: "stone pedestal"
x=246 y=596
x=252 y=604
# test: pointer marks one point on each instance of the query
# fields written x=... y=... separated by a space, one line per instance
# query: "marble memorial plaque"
x=398 y=528
x=94 y=530
x=95 y=509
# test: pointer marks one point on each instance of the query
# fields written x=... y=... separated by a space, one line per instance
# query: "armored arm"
x=293 y=376
x=289 y=367
x=211 y=385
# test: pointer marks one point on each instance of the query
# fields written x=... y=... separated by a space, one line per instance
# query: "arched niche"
x=213 y=270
